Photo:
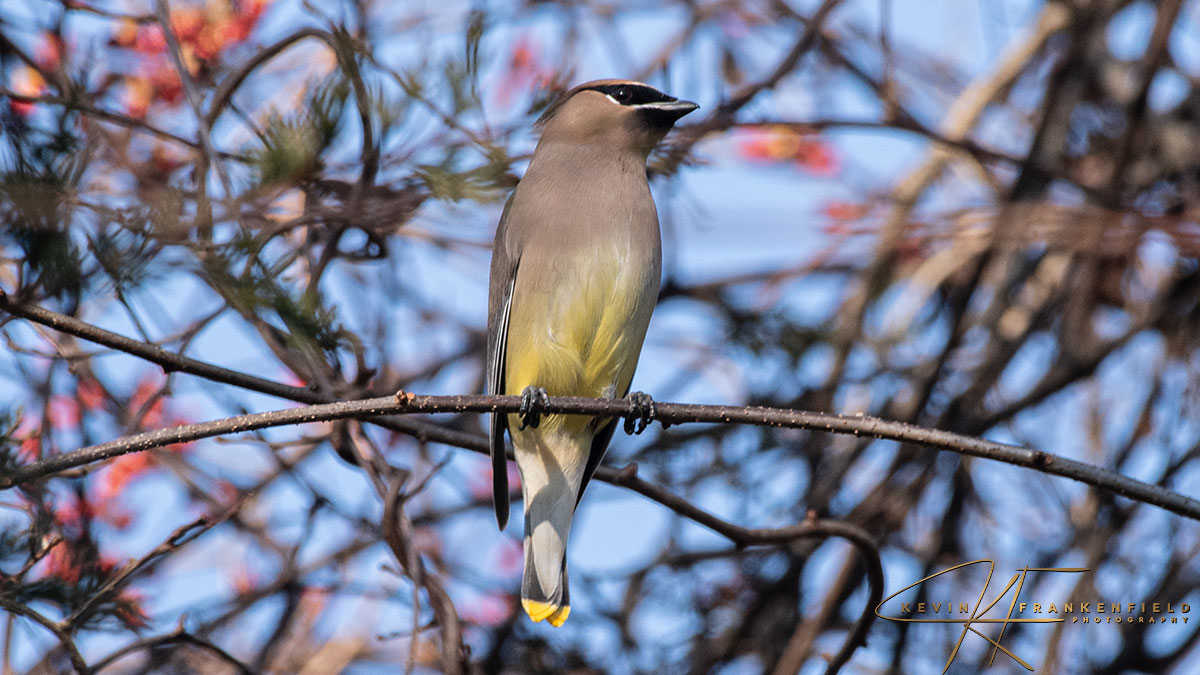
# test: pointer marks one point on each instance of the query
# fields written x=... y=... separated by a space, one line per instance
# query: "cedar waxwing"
x=574 y=277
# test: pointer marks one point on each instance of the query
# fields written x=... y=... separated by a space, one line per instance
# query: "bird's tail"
x=551 y=475
x=539 y=603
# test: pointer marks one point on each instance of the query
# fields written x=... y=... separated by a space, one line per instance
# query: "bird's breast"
x=579 y=326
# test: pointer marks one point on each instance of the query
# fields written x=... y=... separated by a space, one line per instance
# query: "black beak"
x=665 y=113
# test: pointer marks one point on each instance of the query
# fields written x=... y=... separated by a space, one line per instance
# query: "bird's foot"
x=642 y=412
x=533 y=403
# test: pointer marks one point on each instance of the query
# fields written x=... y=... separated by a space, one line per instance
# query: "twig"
x=810 y=528
x=182 y=535
x=173 y=362
x=667 y=413
x=230 y=85
x=397 y=532
x=812 y=31
x=64 y=637
x=111 y=117
x=796 y=650
x=203 y=131
x=178 y=636
x=169 y=361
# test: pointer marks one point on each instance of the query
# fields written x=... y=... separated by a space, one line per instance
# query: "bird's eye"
x=623 y=95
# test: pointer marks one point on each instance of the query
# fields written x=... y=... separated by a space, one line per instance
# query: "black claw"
x=533 y=401
x=642 y=412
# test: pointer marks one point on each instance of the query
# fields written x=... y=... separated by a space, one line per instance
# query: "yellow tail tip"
x=544 y=610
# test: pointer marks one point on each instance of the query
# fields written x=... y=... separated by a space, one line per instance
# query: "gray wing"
x=500 y=290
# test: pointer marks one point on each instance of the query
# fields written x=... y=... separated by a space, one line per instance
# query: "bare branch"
x=667 y=413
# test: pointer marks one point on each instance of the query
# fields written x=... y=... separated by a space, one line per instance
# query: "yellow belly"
x=582 y=340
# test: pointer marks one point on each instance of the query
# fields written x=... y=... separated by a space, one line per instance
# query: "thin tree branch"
x=178 y=636
x=64 y=637
x=111 y=117
x=812 y=31
x=229 y=86
x=173 y=362
x=182 y=535
x=195 y=100
x=810 y=528
x=397 y=532
x=667 y=413
x=169 y=361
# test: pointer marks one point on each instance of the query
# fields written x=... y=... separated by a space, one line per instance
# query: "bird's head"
x=621 y=114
